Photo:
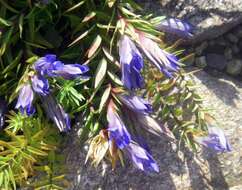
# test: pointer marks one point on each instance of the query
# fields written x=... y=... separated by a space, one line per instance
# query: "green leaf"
x=115 y=78
x=83 y=35
x=20 y=25
x=104 y=98
x=75 y=7
x=100 y=73
x=89 y=16
x=5 y=22
x=95 y=45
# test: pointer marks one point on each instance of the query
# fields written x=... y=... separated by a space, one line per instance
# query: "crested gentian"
x=3 y=110
x=136 y=104
x=70 y=71
x=131 y=64
x=175 y=26
x=50 y=66
x=215 y=140
x=45 y=65
x=141 y=158
x=164 y=61
x=116 y=128
x=25 y=100
x=40 y=85
x=56 y=113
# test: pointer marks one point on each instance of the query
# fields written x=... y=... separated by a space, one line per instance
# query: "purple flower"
x=164 y=61
x=136 y=104
x=25 y=100
x=116 y=128
x=70 y=71
x=40 y=85
x=56 y=113
x=215 y=140
x=175 y=26
x=141 y=158
x=131 y=64
x=47 y=64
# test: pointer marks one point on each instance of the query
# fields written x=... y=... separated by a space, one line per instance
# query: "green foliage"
x=85 y=32
x=28 y=145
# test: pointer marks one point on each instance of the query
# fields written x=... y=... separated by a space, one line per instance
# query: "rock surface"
x=210 y=18
x=180 y=170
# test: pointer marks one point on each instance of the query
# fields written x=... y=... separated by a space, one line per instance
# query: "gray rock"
x=216 y=61
x=180 y=170
x=228 y=53
x=210 y=18
x=199 y=50
x=238 y=31
x=201 y=62
x=235 y=49
x=232 y=38
x=234 y=67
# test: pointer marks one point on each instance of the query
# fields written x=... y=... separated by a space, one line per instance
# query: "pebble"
x=201 y=62
x=199 y=50
x=234 y=67
x=232 y=38
x=216 y=61
x=228 y=53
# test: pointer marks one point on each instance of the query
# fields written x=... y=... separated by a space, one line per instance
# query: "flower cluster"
x=37 y=82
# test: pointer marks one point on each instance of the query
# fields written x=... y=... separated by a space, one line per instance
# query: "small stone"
x=201 y=62
x=216 y=61
x=234 y=67
x=238 y=32
x=228 y=53
x=221 y=41
x=212 y=43
x=199 y=50
x=232 y=38
x=235 y=49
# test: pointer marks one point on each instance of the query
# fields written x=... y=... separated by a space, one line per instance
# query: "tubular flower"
x=215 y=140
x=56 y=113
x=116 y=128
x=40 y=85
x=25 y=100
x=45 y=65
x=136 y=104
x=141 y=158
x=164 y=61
x=131 y=64
x=70 y=71
x=175 y=26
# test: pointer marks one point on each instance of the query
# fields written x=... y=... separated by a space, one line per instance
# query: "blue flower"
x=25 y=100
x=56 y=113
x=50 y=66
x=70 y=71
x=131 y=64
x=40 y=85
x=215 y=140
x=45 y=65
x=164 y=61
x=136 y=104
x=116 y=128
x=175 y=26
x=141 y=158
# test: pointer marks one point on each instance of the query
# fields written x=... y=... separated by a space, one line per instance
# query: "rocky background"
x=217 y=47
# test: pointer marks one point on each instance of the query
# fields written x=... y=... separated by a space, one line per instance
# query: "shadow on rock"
x=223 y=86
x=176 y=171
